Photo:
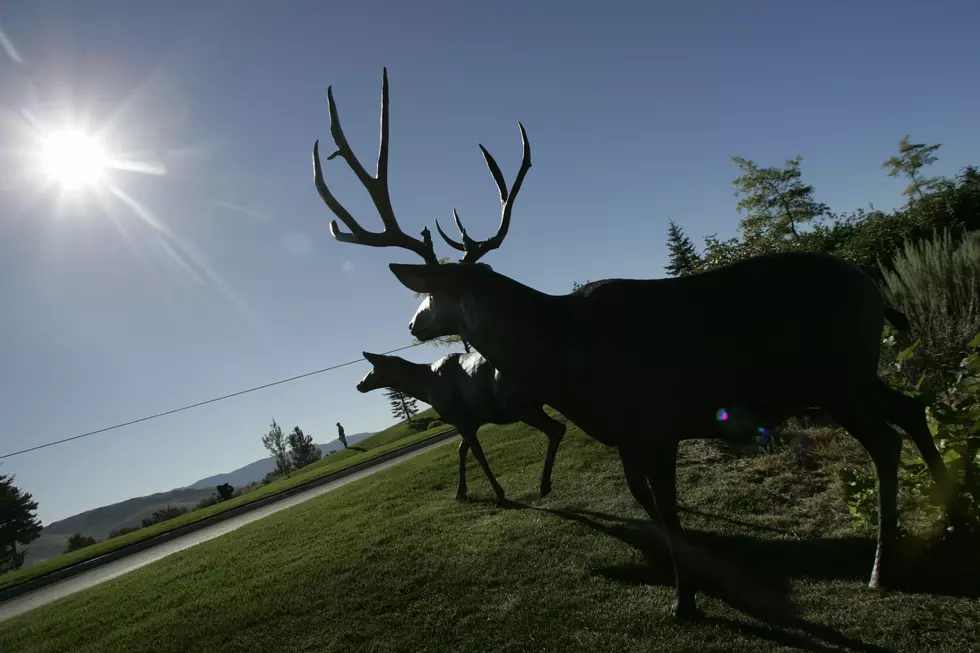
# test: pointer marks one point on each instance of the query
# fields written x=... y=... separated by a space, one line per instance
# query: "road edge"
x=47 y=579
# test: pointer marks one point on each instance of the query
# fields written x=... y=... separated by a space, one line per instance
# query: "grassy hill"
x=392 y=438
x=393 y=563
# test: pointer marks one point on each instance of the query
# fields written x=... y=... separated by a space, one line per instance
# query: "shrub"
x=936 y=283
x=163 y=514
x=953 y=414
x=79 y=541
x=435 y=423
x=122 y=531
x=208 y=501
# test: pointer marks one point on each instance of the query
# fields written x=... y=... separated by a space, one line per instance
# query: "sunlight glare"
x=73 y=158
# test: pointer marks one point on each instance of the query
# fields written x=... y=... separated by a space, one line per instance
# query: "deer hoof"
x=545 y=490
x=461 y=495
x=685 y=610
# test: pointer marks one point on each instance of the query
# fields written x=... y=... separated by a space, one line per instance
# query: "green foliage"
x=912 y=157
x=436 y=423
x=79 y=541
x=275 y=442
x=170 y=512
x=402 y=405
x=19 y=523
x=207 y=502
x=122 y=531
x=775 y=201
x=936 y=284
x=953 y=415
x=302 y=450
x=684 y=258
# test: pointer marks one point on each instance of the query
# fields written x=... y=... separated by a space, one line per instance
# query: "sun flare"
x=73 y=158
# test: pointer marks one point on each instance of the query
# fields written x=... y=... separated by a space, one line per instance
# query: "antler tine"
x=477 y=249
x=377 y=187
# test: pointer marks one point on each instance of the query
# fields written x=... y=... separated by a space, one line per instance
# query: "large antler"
x=475 y=249
x=377 y=186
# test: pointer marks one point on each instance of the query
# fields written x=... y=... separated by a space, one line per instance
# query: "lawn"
x=393 y=563
x=390 y=439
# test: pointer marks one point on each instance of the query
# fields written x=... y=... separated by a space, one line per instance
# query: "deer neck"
x=415 y=381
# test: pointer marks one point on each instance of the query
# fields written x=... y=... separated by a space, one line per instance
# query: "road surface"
x=21 y=604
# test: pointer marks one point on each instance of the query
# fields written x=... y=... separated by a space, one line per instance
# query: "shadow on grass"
x=752 y=574
x=361 y=449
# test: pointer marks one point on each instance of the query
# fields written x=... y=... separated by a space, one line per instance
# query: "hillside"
x=256 y=471
x=779 y=567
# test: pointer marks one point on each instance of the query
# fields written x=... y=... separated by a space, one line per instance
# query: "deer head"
x=384 y=373
x=442 y=312
x=439 y=312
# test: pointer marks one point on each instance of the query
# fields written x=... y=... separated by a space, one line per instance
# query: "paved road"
x=18 y=605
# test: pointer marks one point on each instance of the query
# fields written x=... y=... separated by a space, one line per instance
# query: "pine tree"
x=18 y=523
x=684 y=258
x=302 y=449
x=402 y=405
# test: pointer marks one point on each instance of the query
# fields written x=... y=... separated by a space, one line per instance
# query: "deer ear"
x=374 y=359
x=419 y=278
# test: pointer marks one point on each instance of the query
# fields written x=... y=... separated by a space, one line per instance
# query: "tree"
x=442 y=341
x=79 y=541
x=912 y=157
x=684 y=257
x=275 y=442
x=302 y=449
x=576 y=285
x=774 y=199
x=19 y=523
x=402 y=405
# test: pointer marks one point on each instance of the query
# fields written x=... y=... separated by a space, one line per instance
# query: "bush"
x=953 y=414
x=936 y=284
x=435 y=424
x=122 y=531
x=163 y=514
x=79 y=541
x=208 y=501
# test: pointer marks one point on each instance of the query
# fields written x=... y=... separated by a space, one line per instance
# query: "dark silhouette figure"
x=732 y=350
x=340 y=435
x=467 y=392
x=226 y=491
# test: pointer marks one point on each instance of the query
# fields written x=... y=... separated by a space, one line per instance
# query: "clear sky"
x=230 y=278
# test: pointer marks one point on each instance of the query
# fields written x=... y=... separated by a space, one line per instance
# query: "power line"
x=200 y=403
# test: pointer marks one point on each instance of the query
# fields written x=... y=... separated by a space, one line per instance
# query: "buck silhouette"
x=467 y=392
x=728 y=351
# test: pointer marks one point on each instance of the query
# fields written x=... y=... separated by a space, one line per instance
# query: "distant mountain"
x=99 y=522
x=257 y=470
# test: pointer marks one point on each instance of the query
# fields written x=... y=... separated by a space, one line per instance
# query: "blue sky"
x=633 y=111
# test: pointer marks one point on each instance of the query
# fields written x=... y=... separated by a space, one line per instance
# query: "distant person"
x=340 y=435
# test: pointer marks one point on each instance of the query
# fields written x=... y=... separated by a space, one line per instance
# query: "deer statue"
x=467 y=392
x=726 y=350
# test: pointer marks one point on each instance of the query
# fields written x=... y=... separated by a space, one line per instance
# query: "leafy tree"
x=19 y=523
x=912 y=157
x=226 y=491
x=402 y=405
x=302 y=450
x=79 y=541
x=576 y=285
x=684 y=257
x=774 y=199
x=275 y=442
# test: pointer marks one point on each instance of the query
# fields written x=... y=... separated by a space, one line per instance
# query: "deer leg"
x=464 y=448
x=656 y=469
x=884 y=445
x=555 y=431
x=910 y=415
x=481 y=458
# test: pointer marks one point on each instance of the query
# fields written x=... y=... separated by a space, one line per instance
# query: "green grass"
x=393 y=563
x=390 y=439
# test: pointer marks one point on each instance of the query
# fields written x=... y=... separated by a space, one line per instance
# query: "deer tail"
x=897 y=318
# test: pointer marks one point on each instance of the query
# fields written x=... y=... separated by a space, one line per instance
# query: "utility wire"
x=200 y=403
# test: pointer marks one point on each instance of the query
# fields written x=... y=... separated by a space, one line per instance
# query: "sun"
x=73 y=158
